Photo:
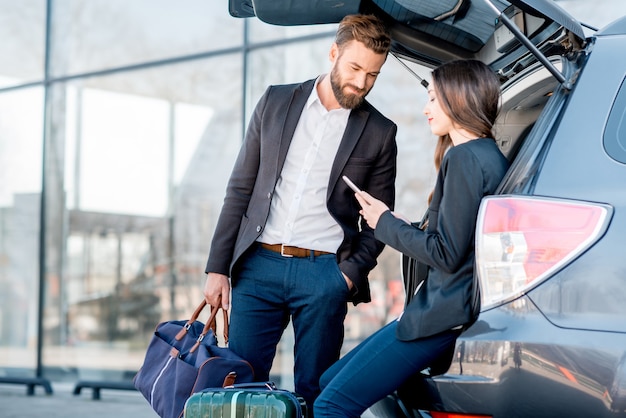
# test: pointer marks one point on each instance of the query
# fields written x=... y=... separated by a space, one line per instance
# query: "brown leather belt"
x=288 y=251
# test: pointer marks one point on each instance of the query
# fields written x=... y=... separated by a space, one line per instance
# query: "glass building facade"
x=119 y=125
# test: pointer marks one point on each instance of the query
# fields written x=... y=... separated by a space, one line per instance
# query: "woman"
x=463 y=103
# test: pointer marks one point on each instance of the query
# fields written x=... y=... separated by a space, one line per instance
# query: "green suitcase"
x=246 y=400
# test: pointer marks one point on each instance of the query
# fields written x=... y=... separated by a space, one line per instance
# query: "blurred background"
x=119 y=125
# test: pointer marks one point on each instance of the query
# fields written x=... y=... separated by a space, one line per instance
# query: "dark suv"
x=550 y=340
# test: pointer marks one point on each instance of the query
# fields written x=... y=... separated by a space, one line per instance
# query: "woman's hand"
x=372 y=208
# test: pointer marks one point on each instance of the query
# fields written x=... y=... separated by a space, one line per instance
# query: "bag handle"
x=211 y=324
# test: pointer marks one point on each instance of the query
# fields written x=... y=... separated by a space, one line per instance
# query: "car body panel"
x=575 y=299
x=508 y=366
x=571 y=329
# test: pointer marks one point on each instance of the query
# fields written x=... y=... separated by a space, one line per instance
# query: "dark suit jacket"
x=367 y=154
x=449 y=296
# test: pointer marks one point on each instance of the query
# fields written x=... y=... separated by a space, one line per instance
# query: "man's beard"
x=347 y=101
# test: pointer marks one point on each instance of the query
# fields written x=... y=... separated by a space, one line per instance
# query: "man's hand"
x=217 y=286
x=348 y=281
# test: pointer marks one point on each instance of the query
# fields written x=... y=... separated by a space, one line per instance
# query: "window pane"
x=20 y=186
x=123 y=153
x=147 y=156
x=22 y=30
x=102 y=34
x=289 y=63
x=589 y=13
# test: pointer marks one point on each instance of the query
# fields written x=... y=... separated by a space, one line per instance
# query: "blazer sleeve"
x=454 y=209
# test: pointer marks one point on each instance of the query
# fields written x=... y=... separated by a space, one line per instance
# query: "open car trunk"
x=523 y=41
x=434 y=31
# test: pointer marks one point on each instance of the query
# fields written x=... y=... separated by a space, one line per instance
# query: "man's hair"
x=367 y=29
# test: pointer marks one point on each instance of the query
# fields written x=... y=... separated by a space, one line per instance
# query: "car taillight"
x=522 y=240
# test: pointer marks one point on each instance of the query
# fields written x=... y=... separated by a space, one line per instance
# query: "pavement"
x=15 y=403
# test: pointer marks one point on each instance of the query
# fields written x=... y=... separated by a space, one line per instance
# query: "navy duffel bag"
x=183 y=358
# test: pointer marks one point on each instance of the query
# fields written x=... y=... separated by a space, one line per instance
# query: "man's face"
x=354 y=72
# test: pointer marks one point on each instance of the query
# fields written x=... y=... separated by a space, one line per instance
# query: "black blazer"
x=367 y=154
x=449 y=296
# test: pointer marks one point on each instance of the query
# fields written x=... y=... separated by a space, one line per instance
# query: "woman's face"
x=440 y=123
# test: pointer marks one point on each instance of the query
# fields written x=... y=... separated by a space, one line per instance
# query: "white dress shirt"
x=298 y=214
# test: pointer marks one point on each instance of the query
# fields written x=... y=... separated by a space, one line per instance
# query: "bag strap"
x=211 y=324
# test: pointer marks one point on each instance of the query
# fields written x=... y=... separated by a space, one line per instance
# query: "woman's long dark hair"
x=469 y=93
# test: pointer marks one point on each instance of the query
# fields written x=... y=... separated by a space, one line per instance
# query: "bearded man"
x=289 y=238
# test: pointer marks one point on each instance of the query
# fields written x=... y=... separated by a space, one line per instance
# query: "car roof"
x=431 y=32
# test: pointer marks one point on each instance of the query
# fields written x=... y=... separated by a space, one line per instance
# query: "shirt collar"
x=314 y=97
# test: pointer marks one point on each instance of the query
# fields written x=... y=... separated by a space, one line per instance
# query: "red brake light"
x=520 y=241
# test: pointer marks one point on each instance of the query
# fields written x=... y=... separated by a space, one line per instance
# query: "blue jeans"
x=374 y=369
x=269 y=289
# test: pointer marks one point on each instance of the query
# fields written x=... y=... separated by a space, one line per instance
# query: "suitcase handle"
x=254 y=385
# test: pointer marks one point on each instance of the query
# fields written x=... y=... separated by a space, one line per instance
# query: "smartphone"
x=351 y=185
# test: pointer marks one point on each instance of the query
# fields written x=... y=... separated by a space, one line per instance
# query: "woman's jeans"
x=269 y=289
x=374 y=369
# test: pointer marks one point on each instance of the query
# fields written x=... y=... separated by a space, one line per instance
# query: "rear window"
x=615 y=132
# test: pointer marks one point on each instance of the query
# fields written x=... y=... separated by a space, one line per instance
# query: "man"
x=289 y=234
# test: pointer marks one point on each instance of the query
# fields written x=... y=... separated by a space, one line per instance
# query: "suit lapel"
x=292 y=116
x=354 y=129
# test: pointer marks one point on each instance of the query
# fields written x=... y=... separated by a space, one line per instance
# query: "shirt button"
x=258 y=228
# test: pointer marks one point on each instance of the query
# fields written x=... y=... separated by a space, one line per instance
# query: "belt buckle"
x=282 y=251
